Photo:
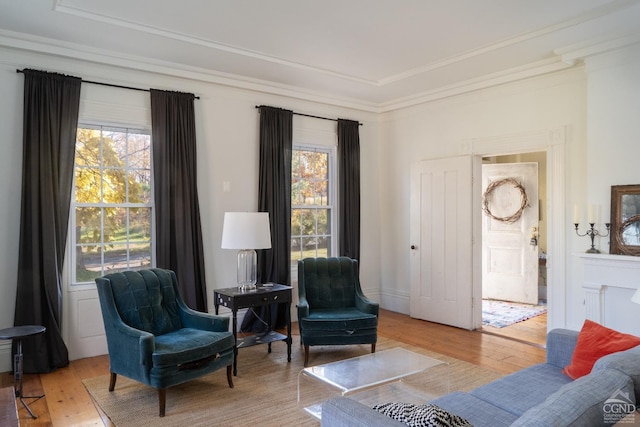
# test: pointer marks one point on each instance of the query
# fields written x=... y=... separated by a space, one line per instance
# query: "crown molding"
x=80 y=52
x=581 y=51
x=507 y=76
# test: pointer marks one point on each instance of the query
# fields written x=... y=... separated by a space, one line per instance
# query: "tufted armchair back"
x=146 y=300
x=329 y=282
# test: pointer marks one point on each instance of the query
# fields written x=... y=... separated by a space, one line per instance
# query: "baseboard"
x=394 y=302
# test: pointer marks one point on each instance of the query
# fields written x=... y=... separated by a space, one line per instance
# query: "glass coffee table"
x=395 y=375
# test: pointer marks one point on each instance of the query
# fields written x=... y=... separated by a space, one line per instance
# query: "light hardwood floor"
x=67 y=403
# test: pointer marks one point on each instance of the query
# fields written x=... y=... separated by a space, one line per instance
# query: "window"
x=312 y=203
x=112 y=209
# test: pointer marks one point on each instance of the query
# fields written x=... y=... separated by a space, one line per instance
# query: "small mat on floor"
x=499 y=314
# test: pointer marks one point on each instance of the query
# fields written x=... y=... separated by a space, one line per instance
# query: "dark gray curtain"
x=51 y=104
x=274 y=196
x=349 y=187
x=178 y=228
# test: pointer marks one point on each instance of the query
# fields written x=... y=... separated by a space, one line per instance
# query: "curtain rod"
x=111 y=85
x=312 y=116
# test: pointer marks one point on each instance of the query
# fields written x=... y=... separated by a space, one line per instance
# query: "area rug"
x=265 y=392
x=499 y=314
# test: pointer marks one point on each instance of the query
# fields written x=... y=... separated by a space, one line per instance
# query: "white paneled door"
x=442 y=261
x=509 y=245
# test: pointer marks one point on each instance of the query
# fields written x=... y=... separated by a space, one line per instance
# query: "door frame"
x=553 y=142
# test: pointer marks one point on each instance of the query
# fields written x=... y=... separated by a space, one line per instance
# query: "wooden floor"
x=533 y=330
x=67 y=403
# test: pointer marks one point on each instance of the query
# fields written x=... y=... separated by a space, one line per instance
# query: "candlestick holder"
x=592 y=233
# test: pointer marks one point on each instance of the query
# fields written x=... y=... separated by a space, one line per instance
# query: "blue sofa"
x=540 y=395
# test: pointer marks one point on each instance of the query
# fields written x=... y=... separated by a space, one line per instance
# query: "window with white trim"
x=112 y=204
x=312 y=203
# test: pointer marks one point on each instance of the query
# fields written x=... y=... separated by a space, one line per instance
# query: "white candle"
x=590 y=214
x=576 y=219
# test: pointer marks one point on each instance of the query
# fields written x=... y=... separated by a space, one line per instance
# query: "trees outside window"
x=312 y=203
x=112 y=205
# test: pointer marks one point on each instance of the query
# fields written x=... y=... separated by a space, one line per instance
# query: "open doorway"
x=514 y=273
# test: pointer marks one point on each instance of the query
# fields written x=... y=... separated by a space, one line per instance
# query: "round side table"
x=17 y=333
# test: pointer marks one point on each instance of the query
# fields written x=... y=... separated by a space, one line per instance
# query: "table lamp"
x=636 y=297
x=246 y=231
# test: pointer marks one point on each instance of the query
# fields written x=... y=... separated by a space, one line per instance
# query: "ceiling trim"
x=80 y=52
x=70 y=10
x=596 y=13
x=494 y=79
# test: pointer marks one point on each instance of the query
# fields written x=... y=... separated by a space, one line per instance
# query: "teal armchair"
x=332 y=310
x=154 y=338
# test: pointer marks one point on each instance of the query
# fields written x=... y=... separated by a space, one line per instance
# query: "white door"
x=441 y=231
x=509 y=256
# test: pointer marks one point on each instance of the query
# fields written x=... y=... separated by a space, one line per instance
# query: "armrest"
x=303 y=308
x=560 y=346
x=365 y=305
x=203 y=321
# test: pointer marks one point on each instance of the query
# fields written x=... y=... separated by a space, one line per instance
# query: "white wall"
x=227 y=132
x=613 y=156
x=445 y=128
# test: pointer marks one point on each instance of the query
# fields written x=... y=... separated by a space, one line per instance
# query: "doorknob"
x=414 y=247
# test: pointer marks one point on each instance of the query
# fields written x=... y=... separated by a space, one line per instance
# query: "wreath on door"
x=486 y=198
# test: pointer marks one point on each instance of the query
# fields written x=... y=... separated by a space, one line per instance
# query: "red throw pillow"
x=595 y=341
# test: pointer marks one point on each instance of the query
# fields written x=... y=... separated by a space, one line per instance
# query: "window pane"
x=88 y=263
x=114 y=188
x=308 y=222
x=321 y=194
x=323 y=222
x=139 y=151
x=296 y=192
x=88 y=147
x=296 y=172
x=88 y=183
x=88 y=225
x=114 y=148
x=140 y=186
x=115 y=258
x=296 y=227
x=140 y=255
x=140 y=224
x=115 y=225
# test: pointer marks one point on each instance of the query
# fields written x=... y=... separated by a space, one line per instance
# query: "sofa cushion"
x=189 y=345
x=513 y=393
x=582 y=402
x=627 y=362
x=350 y=319
x=476 y=411
x=428 y=415
x=595 y=341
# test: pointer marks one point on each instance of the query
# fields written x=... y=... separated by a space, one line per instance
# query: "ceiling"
x=372 y=54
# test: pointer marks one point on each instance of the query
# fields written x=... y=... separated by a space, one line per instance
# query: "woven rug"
x=264 y=393
x=499 y=314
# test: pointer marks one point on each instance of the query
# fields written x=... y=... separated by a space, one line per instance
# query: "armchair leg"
x=373 y=348
x=162 y=399
x=230 y=376
x=306 y=355
x=112 y=381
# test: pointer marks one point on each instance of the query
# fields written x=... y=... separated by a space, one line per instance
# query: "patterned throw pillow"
x=421 y=415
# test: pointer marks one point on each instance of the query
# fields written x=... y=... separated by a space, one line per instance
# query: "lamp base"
x=247 y=260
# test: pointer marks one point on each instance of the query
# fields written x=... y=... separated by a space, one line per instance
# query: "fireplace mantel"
x=602 y=274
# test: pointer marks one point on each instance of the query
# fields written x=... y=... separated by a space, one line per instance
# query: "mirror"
x=625 y=220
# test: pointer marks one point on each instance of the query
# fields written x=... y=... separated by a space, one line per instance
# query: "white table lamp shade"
x=636 y=297
x=246 y=230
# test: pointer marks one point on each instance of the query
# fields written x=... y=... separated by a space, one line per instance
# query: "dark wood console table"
x=235 y=299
